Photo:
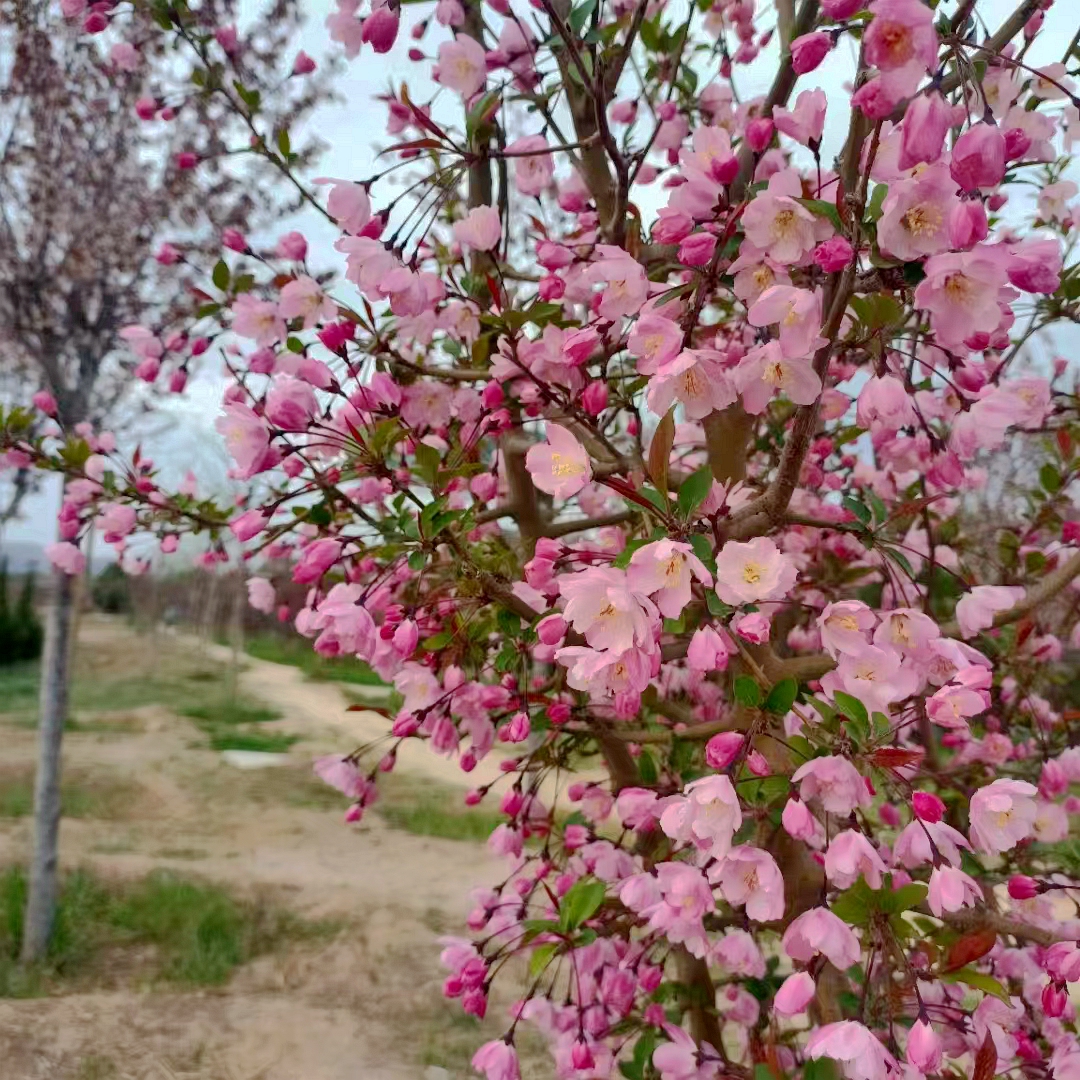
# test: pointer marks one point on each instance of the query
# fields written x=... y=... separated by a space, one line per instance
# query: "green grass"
x=432 y=809
x=298 y=652
x=162 y=928
x=85 y=794
x=19 y=687
x=228 y=724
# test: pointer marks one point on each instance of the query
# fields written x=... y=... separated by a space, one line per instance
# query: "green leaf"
x=428 y=460
x=634 y=1069
x=978 y=981
x=703 y=549
x=694 y=490
x=822 y=1068
x=855 y=905
x=294 y=345
x=647 y=769
x=852 y=708
x=417 y=560
x=622 y=560
x=437 y=641
x=717 y=606
x=877 y=197
x=901 y=560
x=893 y=901
x=747 y=692
x=860 y=510
x=1050 y=479
x=581 y=902
x=220 y=275
x=283 y=143
x=580 y=15
x=782 y=696
x=542 y=956
x=821 y=208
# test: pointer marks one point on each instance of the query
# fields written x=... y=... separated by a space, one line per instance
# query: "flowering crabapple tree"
x=657 y=518
x=78 y=131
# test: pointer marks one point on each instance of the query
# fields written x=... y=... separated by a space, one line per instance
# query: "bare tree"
x=75 y=269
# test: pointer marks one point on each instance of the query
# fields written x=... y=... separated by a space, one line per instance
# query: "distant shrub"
x=21 y=635
x=111 y=591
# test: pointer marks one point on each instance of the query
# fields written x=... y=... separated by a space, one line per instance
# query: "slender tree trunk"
x=41 y=902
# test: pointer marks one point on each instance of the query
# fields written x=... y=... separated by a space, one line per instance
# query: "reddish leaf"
x=841 y=202
x=1064 y=441
x=1024 y=631
x=969 y=948
x=660 y=450
x=985 y=1060
x=895 y=757
x=493 y=288
x=414 y=144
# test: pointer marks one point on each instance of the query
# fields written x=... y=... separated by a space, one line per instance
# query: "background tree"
x=96 y=174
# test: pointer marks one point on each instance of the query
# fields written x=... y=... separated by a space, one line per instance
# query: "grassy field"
x=297 y=651
x=162 y=928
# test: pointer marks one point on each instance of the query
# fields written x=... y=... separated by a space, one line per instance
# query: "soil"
x=365 y=1005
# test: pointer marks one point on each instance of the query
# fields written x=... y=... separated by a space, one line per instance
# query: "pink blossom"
x=497 y=1060
x=341 y=774
x=975 y=610
x=695 y=380
x=747 y=573
x=707 y=816
x=844 y=626
x=303 y=64
x=875 y=676
x=44 y=402
x=749 y=876
x=261 y=595
x=1002 y=814
x=247 y=439
x=462 y=65
x=859 y=1052
x=915 y=215
x=806 y=122
x=951 y=706
x=560 y=465
x=978 y=158
x=67 y=557
x=781 y=227
x=834 y=254
x=797 y=313
x=795 y=994
x=753 y=627
x=315 y=560
x=257 y=319
x=834 y=782
x=654 y=341
x=951 y=889
x=850 y=856
x=534 y=168
x=627 y=286
x=290 y=404
x=683 y=1059
x=722 y=749
x=960 y=293
x=900 y=35
x=481 y=229
x=116 y=520
x=601 y=605
x=923 y=130
x=766 y=371
x=820 y=931
x=248 y=524
x=303 y=298
x=665 y=571
x=885 y=405
x=348 y=204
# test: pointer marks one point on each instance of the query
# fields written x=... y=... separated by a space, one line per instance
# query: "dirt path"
x=366 y=1006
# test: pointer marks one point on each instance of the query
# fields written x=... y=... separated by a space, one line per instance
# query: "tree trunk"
x=41 y=902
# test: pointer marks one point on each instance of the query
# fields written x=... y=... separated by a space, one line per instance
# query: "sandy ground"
x=366 y=1006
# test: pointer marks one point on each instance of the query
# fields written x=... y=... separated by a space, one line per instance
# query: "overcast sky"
x=182 y=434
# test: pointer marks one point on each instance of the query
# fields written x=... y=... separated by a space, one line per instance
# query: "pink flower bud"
x=841 y=9
x=889 y=815
x=1017 y=144
x=753 y=627
x=303 y=64
x=808 y=51
x=551 y=629
x=1054 y=999
x=381 y=29
x=759 y=133
x=697 y=249
x=95 y=22
x=146 y=108
x=927 y=807
x=1022 y=887
x=795 y=994
x=234 y=240
x=44 y=402
x=721 y=750
x=756 y=763
x=178 y=380
x=967 y=225
x=186 y=160
x=925 y=125
x=594 y=399
x=834 y=254
x=924 y=1047
x=978 y=158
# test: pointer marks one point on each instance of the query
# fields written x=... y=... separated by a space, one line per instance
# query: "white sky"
x=181 y=435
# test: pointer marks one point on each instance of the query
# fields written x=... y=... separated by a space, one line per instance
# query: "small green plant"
x=434 y=810
x=228 y=724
